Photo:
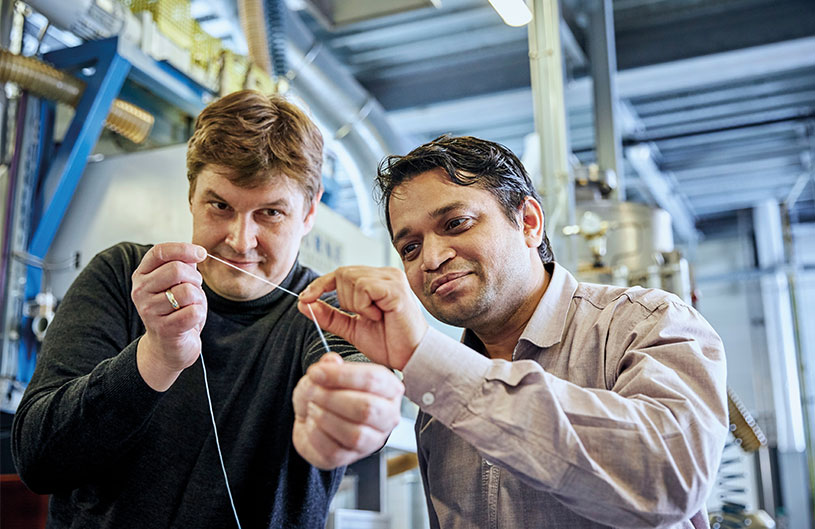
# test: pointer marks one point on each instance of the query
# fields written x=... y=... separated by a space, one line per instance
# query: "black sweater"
x=115 y=453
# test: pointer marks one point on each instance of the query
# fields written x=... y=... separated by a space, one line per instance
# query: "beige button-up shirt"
x=612 y=413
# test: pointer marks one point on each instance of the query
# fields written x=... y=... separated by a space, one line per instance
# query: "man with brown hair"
x=115 y=423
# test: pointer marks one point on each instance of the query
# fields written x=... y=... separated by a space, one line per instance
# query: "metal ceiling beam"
x=780 y=130
x=756 y=167
x=733 y=92
x=502 y=107
x=692 y=74
x=798 y=114
x=738 y=200
x=426 y=28
x=725 y=154
x=740 y=106
x=710 y=27
x=722 y=187
x=442 y=45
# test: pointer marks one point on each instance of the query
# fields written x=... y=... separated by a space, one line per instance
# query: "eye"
x=220 y=206
x=458 y=224
x=272 y=212
x=408 y=251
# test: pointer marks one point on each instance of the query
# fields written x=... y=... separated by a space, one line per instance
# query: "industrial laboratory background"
x=672 y=141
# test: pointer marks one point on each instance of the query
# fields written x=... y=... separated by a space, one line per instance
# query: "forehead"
x=218 y=179
x=429 y=194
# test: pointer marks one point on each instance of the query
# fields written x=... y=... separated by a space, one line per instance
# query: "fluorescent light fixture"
x=514 y=12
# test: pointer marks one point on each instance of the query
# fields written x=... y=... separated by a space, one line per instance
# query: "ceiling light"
x=514 y=12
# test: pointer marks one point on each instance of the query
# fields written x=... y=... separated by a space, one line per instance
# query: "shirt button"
x=428 y=399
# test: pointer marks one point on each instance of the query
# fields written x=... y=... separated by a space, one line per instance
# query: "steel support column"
x=603 y=57
x=783 y=362
x=556 y=181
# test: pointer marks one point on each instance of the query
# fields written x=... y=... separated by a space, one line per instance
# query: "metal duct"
x=46 y=81
x=276 y=36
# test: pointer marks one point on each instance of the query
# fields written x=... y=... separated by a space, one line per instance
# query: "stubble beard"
x=470 y=310
x=493 y=303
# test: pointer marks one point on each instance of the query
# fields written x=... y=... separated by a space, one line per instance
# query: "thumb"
x=330 y=358
x=329 y=318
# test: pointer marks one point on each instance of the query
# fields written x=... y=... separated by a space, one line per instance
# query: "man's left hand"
x=344 y=411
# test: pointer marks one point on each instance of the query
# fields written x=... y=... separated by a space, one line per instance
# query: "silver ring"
x=172 y=300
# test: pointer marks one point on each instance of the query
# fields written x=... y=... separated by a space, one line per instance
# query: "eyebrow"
x=436 y=213
x=212 y=195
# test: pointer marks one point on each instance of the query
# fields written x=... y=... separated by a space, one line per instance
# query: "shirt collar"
x=545 y=327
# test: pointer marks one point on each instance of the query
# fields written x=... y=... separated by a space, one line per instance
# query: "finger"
x=385 y=294
x=329 y=318
x=358 y=438
x=169 y=275
x=184 y=294
x=171 y=251
x=345 y=290
x=358 y=407
x=370 y=378
x=323 y=448
x=184 y=318
x=300 y=397
x=305 y=386
x=331 y=358
x=363 y=304
x=318 y=287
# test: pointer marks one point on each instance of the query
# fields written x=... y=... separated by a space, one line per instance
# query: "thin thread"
x=218 y=443
x=206 y=383
x=289 y=292
x=239 y=269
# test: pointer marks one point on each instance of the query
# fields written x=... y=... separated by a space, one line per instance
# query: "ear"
x=311 y=213
x=532 y=220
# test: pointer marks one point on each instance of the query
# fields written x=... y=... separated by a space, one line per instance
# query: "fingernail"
x=200 y=252
x=313 y=409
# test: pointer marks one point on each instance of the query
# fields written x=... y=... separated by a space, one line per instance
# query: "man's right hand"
x=386 y=325
x=172 y=341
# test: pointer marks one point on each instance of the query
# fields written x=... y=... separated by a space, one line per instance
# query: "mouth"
x=446 y=279
x=241 y=263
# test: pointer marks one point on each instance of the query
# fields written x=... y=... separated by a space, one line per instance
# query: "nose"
x=435 y=252
x=242 y=234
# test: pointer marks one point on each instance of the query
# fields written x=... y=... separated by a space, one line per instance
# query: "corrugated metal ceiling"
x=722 y=92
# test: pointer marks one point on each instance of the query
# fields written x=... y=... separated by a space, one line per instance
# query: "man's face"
x=257 y=229
x=463 y=257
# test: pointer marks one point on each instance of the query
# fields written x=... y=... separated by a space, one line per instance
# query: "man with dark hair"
x=115 y=422
x=566 y=404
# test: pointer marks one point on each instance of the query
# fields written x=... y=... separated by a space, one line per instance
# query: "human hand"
x=172 y=340
x=387 y=324
x=344 y=411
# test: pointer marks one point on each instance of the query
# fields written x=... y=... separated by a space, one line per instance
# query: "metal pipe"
x=603 y=56
x=556 y=181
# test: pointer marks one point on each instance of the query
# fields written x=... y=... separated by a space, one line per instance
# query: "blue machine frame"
x=112 y=62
